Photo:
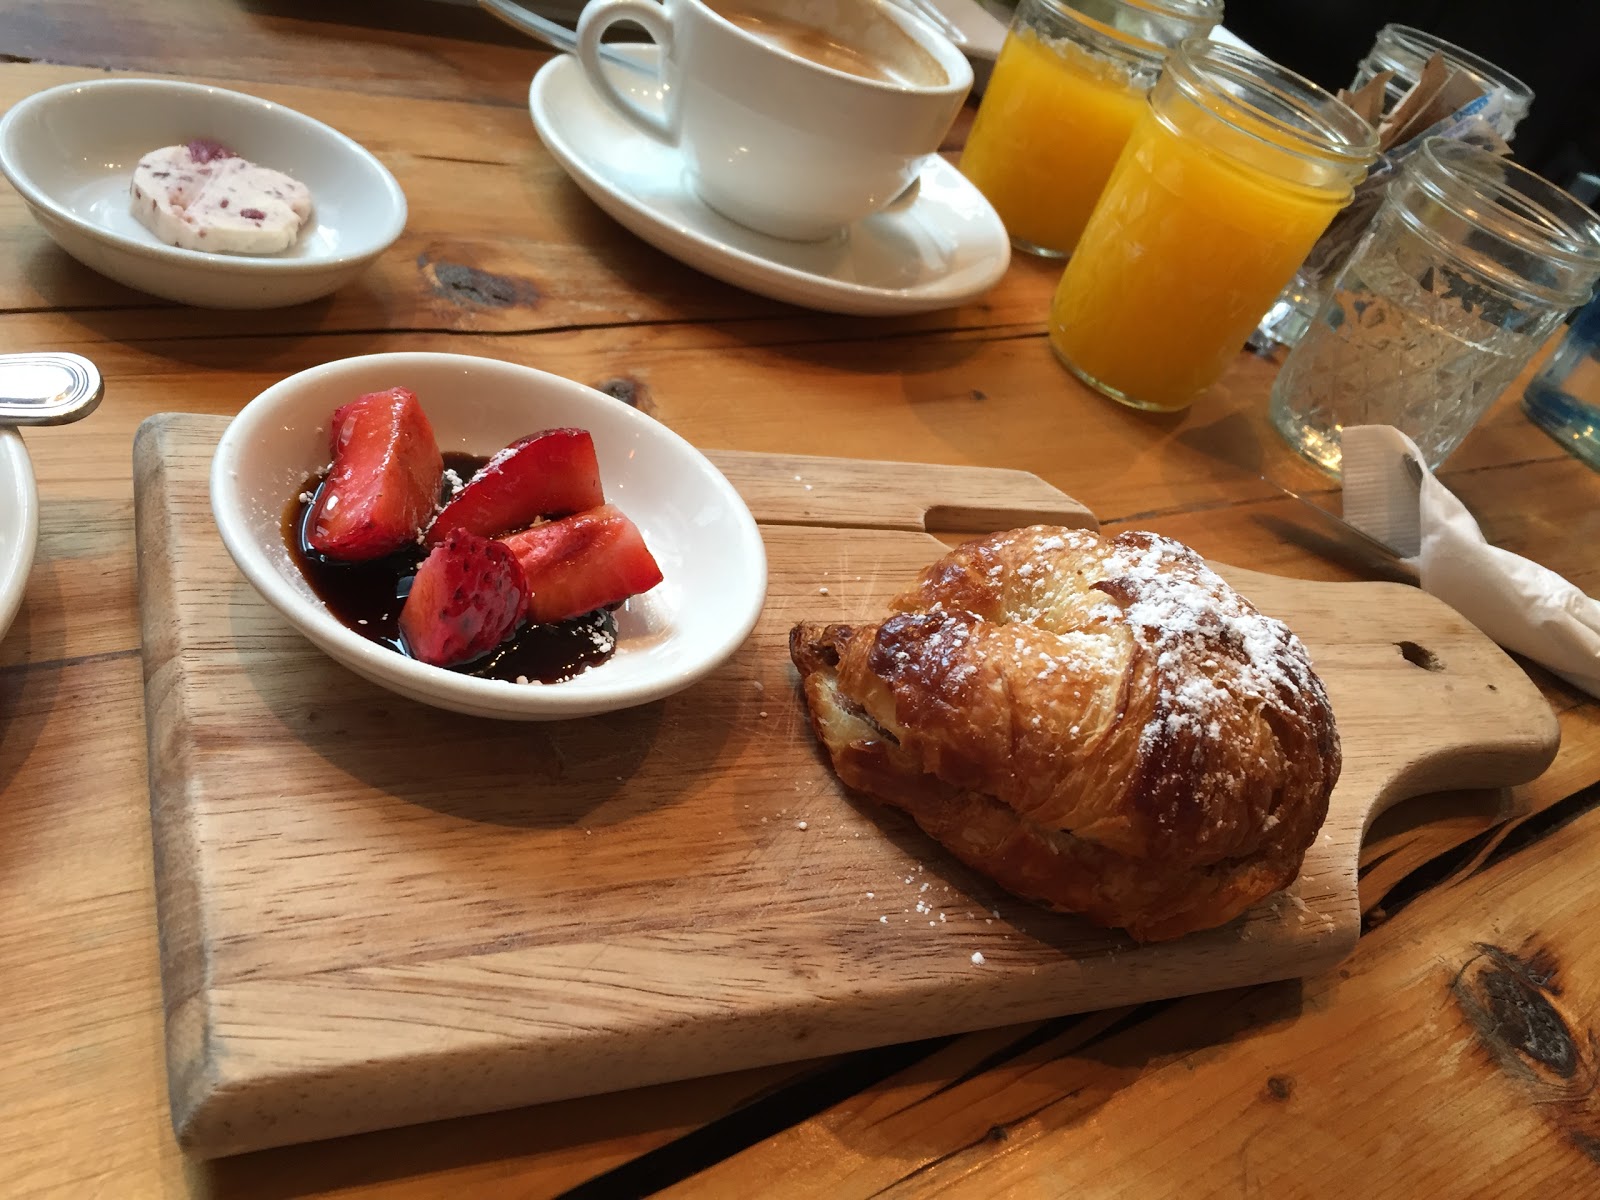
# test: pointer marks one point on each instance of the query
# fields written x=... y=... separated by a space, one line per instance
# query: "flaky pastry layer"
x=1102 y=726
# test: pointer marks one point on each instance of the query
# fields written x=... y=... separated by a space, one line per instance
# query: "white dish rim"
x=464 y=693
x=19 y=494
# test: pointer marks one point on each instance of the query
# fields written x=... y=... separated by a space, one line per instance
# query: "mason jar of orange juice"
x=1069 y=83
x=1232 y=171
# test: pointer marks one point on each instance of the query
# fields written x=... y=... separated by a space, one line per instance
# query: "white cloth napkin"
x=1523 y=606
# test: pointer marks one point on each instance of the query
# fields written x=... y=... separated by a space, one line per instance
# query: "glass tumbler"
x=1564 y=397
x=1470 y=264
x=1230 y=174
x=1069 y=83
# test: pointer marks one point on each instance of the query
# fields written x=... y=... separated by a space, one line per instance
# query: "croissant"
x=1103 y=726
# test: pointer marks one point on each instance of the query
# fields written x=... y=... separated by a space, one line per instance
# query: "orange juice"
x=1186 y=250
x=1052 y=122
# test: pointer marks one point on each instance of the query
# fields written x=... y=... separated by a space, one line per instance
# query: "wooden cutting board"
x=374 y=913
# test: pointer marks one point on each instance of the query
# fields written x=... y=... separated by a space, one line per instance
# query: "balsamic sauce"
x=366 y=597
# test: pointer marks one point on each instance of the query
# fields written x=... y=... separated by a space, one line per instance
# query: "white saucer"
x=944 y=248
x=19 y=524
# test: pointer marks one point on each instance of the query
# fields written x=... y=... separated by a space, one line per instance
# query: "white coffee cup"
x=774 y=139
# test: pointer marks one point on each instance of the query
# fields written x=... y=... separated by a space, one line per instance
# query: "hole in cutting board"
x=1420 y=656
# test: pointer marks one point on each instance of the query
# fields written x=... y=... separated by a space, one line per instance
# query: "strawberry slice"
x=549 y=474
x=384 y=480
x=466 y=599
x=583 y=562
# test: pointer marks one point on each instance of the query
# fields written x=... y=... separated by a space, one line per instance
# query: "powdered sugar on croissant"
x=1100 y=725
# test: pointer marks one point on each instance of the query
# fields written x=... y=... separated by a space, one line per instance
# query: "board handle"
x=850 y=493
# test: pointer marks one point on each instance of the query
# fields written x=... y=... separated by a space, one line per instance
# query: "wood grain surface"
x=1368 y=1080
x=375 y=913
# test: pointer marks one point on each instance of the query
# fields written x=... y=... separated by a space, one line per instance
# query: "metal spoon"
x=556 y=35
x=47 y=388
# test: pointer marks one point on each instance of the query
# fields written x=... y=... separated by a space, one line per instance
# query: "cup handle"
x=597 y=17
x=907 y=197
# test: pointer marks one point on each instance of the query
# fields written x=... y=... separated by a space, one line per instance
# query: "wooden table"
x=1452 y=1053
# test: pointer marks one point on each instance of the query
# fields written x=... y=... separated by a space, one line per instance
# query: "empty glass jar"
x=1469 y=265
x=1404 y=51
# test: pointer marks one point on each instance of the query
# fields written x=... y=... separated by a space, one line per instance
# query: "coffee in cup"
x=897 y=58
x=795 y=117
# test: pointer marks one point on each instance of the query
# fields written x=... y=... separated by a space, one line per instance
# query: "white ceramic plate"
x=70 y=151
x=946 y=247
x=19 y=524
x=691 y=517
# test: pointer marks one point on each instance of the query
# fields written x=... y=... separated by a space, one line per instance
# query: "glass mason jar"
x=1231 y=173
x=1469 y=265
x=1405 y=51
x=1069 y=83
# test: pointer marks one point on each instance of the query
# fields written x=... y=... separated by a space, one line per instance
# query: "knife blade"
x=1346 y=530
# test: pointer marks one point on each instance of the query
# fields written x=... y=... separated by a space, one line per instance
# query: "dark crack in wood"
x=1481 y=852
x=754 y=1122
x=995 y=1135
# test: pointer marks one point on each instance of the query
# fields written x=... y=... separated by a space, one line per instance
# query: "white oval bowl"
x=70 y=151
x=19 y=524
x=693 y=520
